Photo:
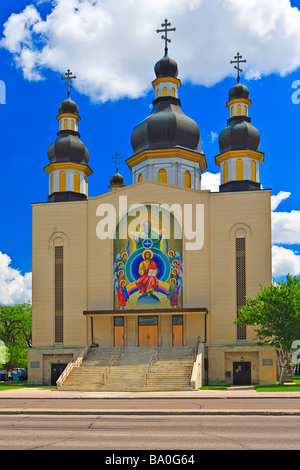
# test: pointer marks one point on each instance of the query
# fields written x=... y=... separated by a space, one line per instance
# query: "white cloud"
x=284 y=261
x=278 y=198
x=112 y=46
x=210 y=181
x=14 y=287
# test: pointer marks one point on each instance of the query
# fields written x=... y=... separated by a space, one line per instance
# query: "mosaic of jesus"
x=147 y=267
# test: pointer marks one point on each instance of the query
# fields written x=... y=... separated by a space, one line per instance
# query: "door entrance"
x=242 y=373
x=56 y=371
x=118 y=332
x=148 y=331
x=177 y=330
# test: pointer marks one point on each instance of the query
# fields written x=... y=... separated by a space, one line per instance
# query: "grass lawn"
x=295 y=387
x=20 y=384
x=214 y=387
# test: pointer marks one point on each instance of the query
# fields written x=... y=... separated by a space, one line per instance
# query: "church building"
x=156 y=264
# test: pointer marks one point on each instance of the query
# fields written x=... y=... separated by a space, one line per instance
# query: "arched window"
x=60 y=125
x=157 y=93
x=51 y=183
x=66 y=124
x=225 y=172
x=59 y=290
x=162 y=175
x=173 y=93
x=253 y=170
x=140 y=178
x=232 y=111
x=165 y=91
x=240 y=262
x=239 y=169
x=238 y=110
x=76 y=182
x=187 y=179
x=72 y=125
x=62 y=181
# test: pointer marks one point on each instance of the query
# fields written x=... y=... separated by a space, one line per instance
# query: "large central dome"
x=167 y=126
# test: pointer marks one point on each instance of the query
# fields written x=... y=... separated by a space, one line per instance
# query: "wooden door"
x=177 y=330
x=242 y=373
x=148 y=331
x=118 y=332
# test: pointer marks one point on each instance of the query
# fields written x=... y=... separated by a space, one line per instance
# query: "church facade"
x=159 y=261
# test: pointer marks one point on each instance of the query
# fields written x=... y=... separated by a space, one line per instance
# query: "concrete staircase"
x=89 y=376
x=170 y=371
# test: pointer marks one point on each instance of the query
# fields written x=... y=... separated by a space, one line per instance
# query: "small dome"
x=240 y=134
x=166 y=127
x=238 y=91
x=68 y=148
x=117 y=179
x=68 y=106
x=166 y=67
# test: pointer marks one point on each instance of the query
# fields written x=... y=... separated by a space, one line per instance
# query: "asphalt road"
x=152 y=433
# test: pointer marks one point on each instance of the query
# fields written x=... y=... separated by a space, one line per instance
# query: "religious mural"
x=148 y=266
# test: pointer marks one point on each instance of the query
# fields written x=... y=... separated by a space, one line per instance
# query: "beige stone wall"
x=209 y=273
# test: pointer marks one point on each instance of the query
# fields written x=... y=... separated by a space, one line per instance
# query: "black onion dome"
x=117 y=179
x=240 y=134
x=238 y=91
x=68 y=106
x=68 y=148
x=166 y=127
x=166 y=67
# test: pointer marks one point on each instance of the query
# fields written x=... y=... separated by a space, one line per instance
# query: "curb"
x=153 y=412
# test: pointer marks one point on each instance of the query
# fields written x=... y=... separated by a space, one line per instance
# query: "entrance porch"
x=147 y=328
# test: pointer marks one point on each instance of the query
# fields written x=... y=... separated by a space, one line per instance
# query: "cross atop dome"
x=166 y=30
x=238 y=61
x=68 y=77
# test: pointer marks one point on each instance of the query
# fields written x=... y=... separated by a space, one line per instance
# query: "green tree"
x=16 y=333
x=275 y=314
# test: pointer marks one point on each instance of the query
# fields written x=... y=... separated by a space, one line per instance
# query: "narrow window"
x=232 y=111
x=66 y=124
x=162 y=175
x=240 y=247
x=238 y=110
x=76 y=182
x=165 y=91
x=59 y=297
x=187 y=179
x=239 y=169
x=72 y=125
x=51 y=183
x=173 y=93
x=62 y=181
x=140 y=178
x=253 y=170
x=225 y=172
x=157 y=93
x=85 y=186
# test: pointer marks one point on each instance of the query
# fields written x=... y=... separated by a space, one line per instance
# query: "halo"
x=172 y=279
x=147 y=251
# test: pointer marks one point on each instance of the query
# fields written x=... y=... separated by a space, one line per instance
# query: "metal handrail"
x=73 y=363
x=154 y=358
x=113 y=360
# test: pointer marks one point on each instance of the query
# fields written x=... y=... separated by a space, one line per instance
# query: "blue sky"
x=34 y=90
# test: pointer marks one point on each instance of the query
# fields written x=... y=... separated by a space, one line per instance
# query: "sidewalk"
x=232 y=392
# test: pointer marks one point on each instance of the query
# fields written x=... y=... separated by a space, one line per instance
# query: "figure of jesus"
x=148 y=270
